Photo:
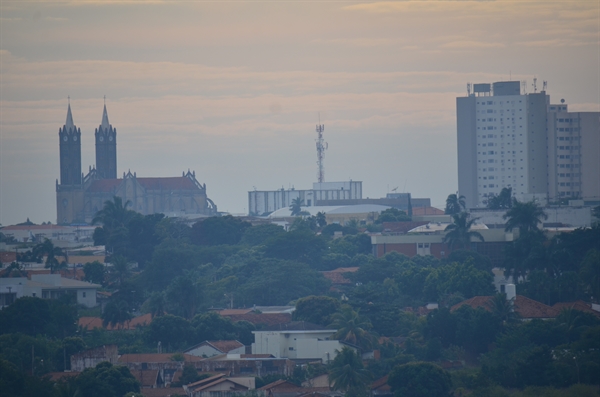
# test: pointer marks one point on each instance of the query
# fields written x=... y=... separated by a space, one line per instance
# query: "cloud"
x=471 y=45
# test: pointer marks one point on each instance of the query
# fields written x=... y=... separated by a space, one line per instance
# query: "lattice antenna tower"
x=321 y=147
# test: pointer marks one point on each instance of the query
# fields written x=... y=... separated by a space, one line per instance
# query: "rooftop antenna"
x=544 y=85
x=321 y=147
x=524 y=87
x=535 y=84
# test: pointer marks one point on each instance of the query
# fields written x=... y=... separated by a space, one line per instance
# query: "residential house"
x=216 y=347
x=220 y=386
x=47 y=286
x=258 y=365
x=92 y=357
x=527 y=309
x=297 y=340
x=284 y=388
x=166 y=365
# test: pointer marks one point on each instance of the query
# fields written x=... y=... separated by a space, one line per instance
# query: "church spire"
x=69 y=123
x=105 y=124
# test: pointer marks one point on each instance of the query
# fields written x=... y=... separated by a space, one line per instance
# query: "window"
x=83 y=294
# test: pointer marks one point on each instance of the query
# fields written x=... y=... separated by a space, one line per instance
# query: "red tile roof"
x=230 y=312
x=56 y=376
x=381 y=384
x=226 y=345
x=577 y=305
x=526 y=308
x=90 y=323
x=163 y=392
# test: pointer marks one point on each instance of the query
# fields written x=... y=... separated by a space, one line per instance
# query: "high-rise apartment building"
x=507 y=139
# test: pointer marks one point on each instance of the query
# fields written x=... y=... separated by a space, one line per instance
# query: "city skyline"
x=233 y=91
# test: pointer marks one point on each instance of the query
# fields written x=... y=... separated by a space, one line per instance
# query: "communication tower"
x=321 y=147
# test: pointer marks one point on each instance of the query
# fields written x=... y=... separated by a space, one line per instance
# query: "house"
x=297 y=340
x=148 y=378
x=578 y=305
x=92 y=357
x=336 y=276
x=165 y=364
x=163 y=392
x=216 y=347
x=47 y=286
x=268 y=319
x=258 y=365
x=220 y=386
x=284 y=388
x=380 y=388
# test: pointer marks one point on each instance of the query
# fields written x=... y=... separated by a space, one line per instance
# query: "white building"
x=297 y=340
x=46 y=286
x=507 y=139
x=261 y=202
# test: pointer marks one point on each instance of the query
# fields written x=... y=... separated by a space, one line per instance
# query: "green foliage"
x=301 y=246
x=296 y=206
x=15 y=383
x=35 y=316
x=455 y=204
x=218 y=230
x=347 y=374
x=461 y=278
x=94 y=272
x=504 y=200
x=459 y=233
x=524 y=216
x=183 y=296
x=352 y=327
x=114 y=217
x=161 y=329
x=52 y=254
x=393 y=215
x=258 y=235
x=264 y=286
x=116 y=313
x=316 y=309
x=420 y=379
x=106 y=380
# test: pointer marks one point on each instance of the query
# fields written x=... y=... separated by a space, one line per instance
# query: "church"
x=79 y=196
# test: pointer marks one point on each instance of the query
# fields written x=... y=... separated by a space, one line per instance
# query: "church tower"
x=70 y=152
x=69 y=192
x=106 y=149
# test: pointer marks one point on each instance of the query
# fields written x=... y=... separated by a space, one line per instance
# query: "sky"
x=233 y=90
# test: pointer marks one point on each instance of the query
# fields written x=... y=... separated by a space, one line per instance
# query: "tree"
x=459 y=233
x=257 y=235
x=94 y=272
x=119 y=270
x=351 y=327
x=171 y=331
x=420 y=379
x=502 y=201
x=296 y=207
x=348 y=375
x=322 y=220
x=316 y=309
x=114 y=217
x=116 y=313
x=455 y=204
x=590 y=273
x=524 y=216
x=392 y=215
x=52 y=255
x=219 y=230
x=156 y=304
x=106 y=380
x=183 y=296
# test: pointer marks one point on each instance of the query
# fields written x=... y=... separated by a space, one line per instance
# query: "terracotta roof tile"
x=163 y=392
x=526 y=308
x=226 y=345
x=577 y=305
x=336 y=278
x=230 y=312
x=380 y=383
x=90 y=323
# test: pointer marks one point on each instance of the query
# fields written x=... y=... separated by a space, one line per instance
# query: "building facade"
x=79 y=197
x=509 y=139
x=263 y=202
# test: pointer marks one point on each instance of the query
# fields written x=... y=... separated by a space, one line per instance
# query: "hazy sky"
x=233 y=89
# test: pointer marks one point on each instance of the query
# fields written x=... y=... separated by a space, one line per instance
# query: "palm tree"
x=296 y=206
x=52 y=253
x=502 y=308
x=352 y=327
x=525 y=216
x=455 y=204
x=116 y=313
x=120 y=268
x=115 y=217
x=459 y=233
x=347 y=373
